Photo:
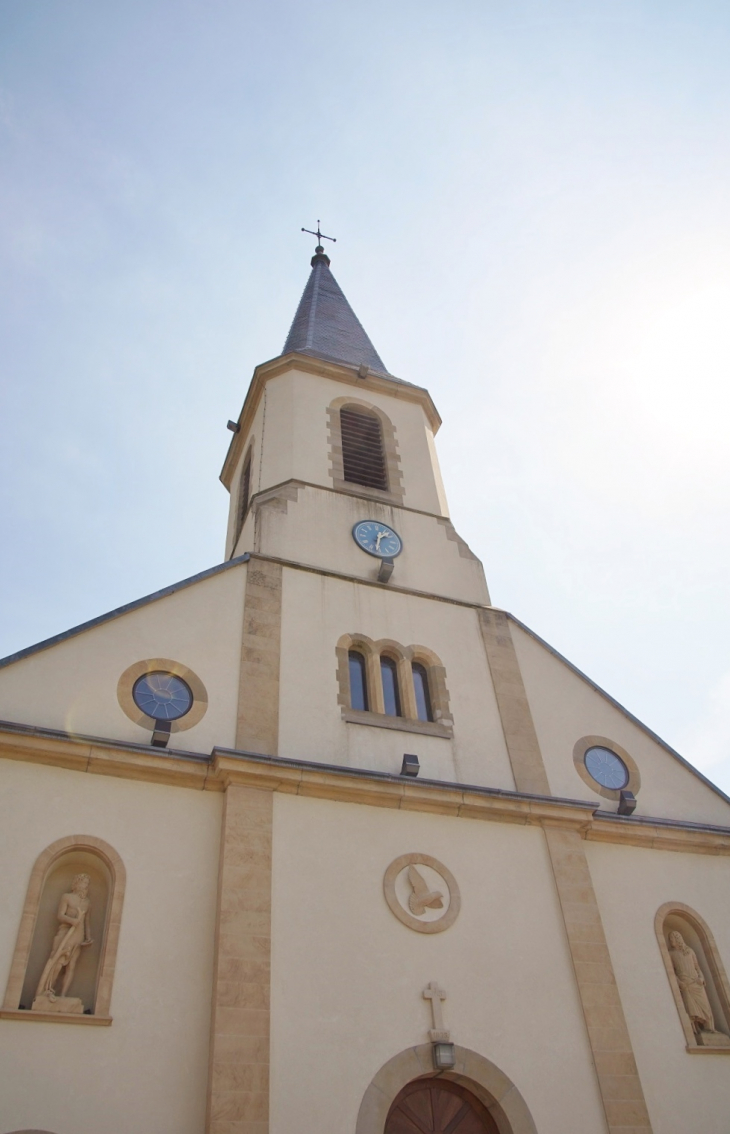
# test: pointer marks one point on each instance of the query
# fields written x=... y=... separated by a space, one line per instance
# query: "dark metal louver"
x=362 y=449
x=245 y=489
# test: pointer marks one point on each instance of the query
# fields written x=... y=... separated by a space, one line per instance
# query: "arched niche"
x=480 y=1076
x=676 y=917
x=52 y=876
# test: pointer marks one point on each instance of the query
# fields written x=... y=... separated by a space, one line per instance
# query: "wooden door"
x=438 y=1106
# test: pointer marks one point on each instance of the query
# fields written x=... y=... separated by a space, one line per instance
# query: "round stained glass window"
x=606 y=767
x=162 y=696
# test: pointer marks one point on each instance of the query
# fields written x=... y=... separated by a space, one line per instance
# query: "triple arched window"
x=393 y=685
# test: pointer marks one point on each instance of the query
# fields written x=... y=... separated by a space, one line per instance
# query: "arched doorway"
x=481 y=1078
x=438 y=1106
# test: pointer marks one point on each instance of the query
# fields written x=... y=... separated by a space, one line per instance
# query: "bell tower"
x=327 y=438
x=358 y=586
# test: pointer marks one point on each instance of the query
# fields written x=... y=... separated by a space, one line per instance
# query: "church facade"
x=320 y=841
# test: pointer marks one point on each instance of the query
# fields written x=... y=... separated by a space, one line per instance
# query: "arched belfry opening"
x=438 y=1106
x=363 y=454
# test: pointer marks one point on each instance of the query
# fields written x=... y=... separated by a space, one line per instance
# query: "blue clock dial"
x=377 y=539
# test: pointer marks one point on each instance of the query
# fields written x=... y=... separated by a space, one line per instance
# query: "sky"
x=532 y=210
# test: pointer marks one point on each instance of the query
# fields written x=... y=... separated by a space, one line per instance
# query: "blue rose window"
x=162 y=696
x=606 y=767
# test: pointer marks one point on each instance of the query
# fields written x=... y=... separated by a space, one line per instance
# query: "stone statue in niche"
x=71 y=937
x=694 y=993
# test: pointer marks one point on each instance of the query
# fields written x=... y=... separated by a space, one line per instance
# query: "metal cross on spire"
x=320 y=236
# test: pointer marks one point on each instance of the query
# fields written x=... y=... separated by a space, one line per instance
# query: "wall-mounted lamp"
x=627 y=803
x=161 y=735
x=411 y=765
x=386 y=570
x=444 y=1056
x=233 y=426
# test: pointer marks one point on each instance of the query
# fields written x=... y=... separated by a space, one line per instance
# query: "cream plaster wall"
x=147 y=1071
x=73 y=685
x=316 y=529
x=291 y=426
x=347 y=976
x=566 y=708
x=441 y=491
x=683 y=1092
x=316 y=612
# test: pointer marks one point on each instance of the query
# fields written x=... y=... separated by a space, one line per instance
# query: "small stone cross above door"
x=438 y=1033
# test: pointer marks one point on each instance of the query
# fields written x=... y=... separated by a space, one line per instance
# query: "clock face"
x=377 y=539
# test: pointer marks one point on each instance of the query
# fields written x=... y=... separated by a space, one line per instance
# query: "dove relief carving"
x=414 y=895
x=422 y=897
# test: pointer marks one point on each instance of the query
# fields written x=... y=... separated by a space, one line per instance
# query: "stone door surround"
x=491 y=1086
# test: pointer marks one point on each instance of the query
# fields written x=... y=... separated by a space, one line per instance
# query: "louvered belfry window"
x=363 y=458
x=245 y=490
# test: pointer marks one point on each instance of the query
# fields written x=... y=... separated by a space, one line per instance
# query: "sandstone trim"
x=257 y=727
x=514 y=709
x=238 y=1078
x=356 y=785
x=618 y=1077
x=395 y=491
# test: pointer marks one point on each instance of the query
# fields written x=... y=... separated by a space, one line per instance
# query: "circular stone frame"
x=127 y=681
x=403 y=915
x=579 y=756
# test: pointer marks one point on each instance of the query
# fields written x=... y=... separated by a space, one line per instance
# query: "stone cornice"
x=101 y=757
x=294 y=482
x=378 y=789
x=658 y=834
x=361 y=581
x=338 y=372
x=351 y=785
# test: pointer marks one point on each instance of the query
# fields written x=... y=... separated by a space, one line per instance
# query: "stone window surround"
x=395 y=493
x=714 y=963
x=579 y=752
x=403 y=656
x=132 y=674
x=107 y=960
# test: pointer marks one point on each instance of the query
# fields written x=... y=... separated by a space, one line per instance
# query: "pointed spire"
x=326 y=326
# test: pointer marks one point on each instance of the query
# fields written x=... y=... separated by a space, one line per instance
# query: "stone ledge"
x=55 y=1017
x=400 y=724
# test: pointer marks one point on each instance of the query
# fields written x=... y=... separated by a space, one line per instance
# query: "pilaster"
x=613 y=1056
x=514 y=710
x=238 y=1083
x=257 y=727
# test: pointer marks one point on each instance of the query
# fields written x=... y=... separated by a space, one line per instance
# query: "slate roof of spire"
x=326 y=326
